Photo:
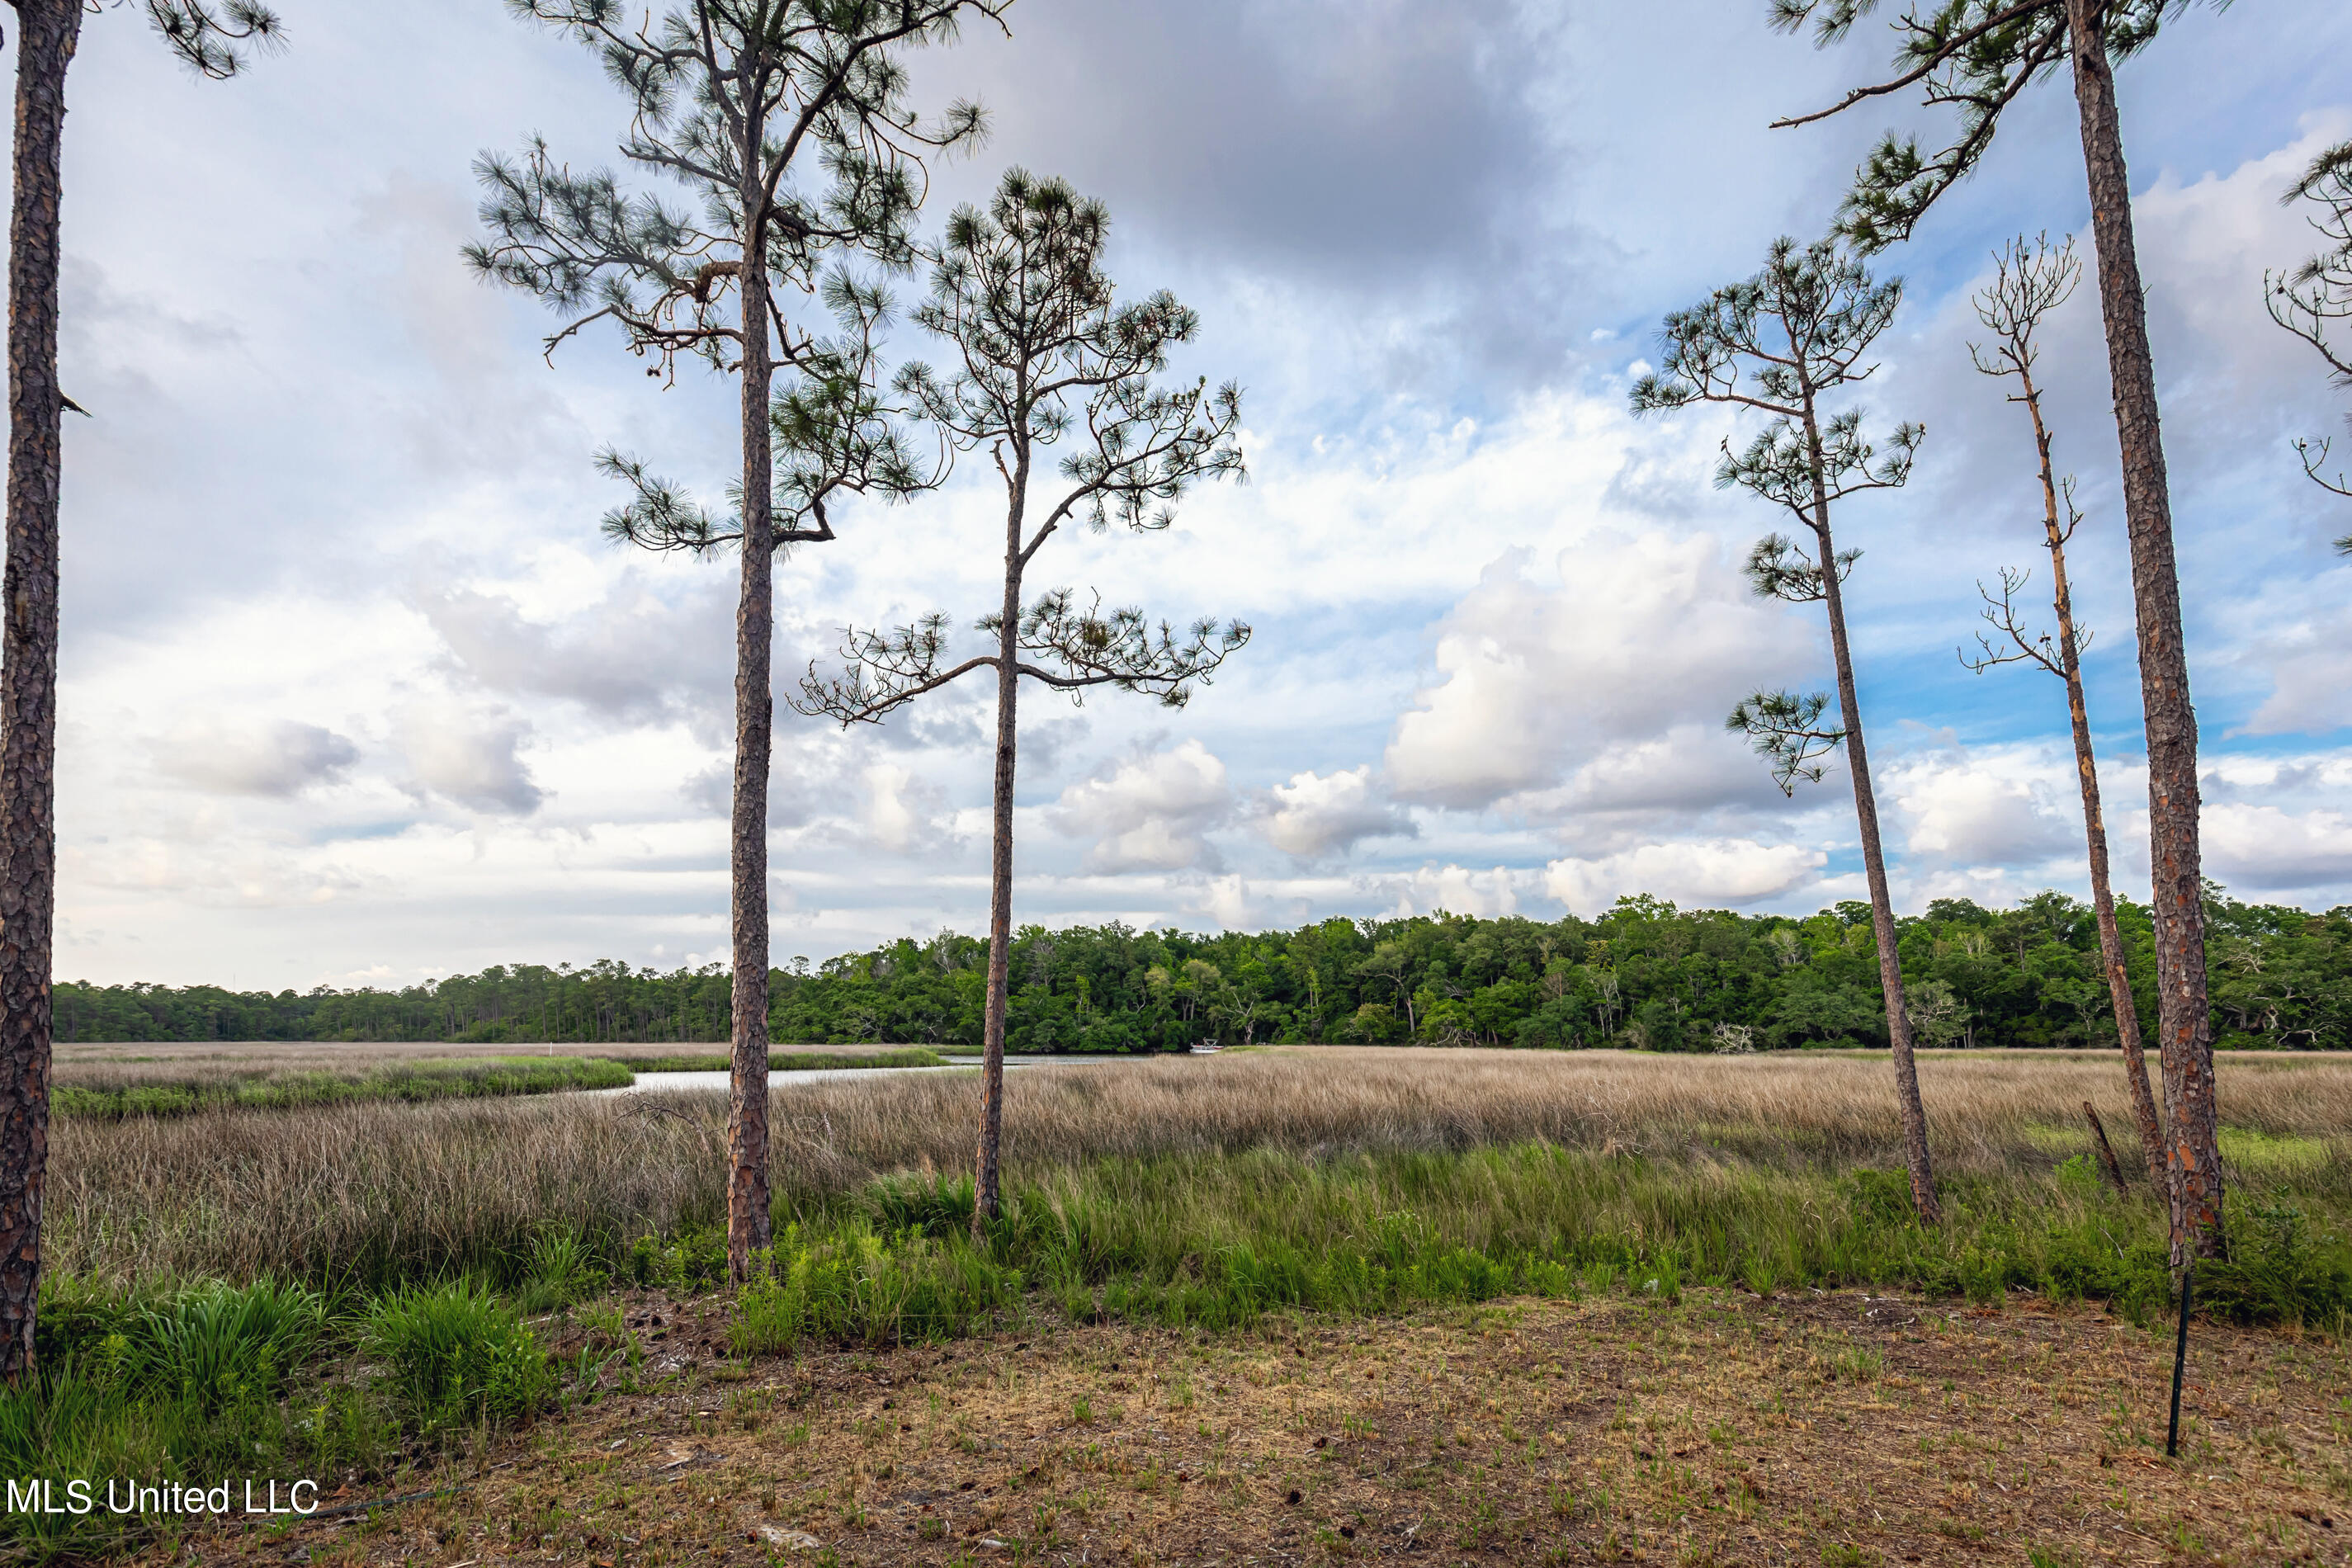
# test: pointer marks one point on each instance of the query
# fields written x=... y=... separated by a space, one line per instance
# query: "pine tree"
x=2028 y=282
x=1045 y=354
x=2311 y=300
x=214 y=37
x=1980 y=56
x=738 y=101
x=1780 y=342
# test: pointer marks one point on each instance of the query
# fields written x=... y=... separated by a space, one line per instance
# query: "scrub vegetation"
x=401 y=1285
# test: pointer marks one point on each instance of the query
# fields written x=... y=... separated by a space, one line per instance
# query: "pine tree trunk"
x=747 y=1219
x=48 y=31
x=1873 y=856
x=988 y=1166
x=2184 y=1019
x=2094 y=823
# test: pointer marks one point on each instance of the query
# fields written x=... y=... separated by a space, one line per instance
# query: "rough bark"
x=1873 y=856
x=2094 y=825
x=747 y=1219
x=48 y=31
x=2184 y=1023
x=988 y=1165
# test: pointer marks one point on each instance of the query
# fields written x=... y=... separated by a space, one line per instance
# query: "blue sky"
x=353 y=692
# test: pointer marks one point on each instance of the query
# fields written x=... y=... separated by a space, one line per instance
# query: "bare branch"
x=2020 y=646
x=883 y=670
x=2316 y=298
x=2313 y=454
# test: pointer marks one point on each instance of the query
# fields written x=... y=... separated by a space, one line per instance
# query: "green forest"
x=1645 y=975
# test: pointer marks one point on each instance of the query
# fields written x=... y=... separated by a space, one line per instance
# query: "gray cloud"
x=1320 y=815
x=469 y=756
x=275 y=760
x=631 y=658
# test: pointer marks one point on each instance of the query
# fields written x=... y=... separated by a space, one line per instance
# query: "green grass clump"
x=1221 y=1242
x=194 y=1385
x=458 y=1354
x=462 y=1079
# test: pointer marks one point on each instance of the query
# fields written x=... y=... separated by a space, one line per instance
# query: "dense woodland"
x=1645 y=975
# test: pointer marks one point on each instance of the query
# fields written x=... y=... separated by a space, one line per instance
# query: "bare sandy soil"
x=1807 y=1429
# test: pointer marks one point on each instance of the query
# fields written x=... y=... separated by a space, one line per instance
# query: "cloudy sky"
x=354 y=693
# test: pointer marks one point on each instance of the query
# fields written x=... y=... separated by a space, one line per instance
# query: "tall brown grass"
x=124 y=1065
x=371 y=1188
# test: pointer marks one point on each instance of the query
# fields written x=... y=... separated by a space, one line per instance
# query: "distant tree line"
x=607 y=1002
x=1645 y=975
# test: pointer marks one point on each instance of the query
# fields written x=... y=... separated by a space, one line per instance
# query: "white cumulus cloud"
x=1317 y=814
x=2261 y=847
x=1639 y=637
x=2005 y=806
x=1458 y=891
x=1706 y=873
x=1149 y=811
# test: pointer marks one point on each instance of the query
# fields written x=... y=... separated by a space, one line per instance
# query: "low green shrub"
x=563 y=1269
x=189 y=1386
x=457 y=1354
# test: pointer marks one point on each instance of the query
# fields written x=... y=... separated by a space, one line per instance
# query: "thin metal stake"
x=2180 y=1361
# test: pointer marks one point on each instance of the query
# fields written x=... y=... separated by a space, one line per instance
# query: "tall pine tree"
x=788 y=120
x=214 y=37
x=1780 y=342
x=2314 y=300
x=2028 y=282
x=1043 y=352
x=1980 y=56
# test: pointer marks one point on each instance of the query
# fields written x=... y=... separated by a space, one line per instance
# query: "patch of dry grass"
x=1845 y=1428
x=374 y=1189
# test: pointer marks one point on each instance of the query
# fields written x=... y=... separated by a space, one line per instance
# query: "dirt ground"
x=1814 y=1429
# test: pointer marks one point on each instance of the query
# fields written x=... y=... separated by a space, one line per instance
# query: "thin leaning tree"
x=737 y=102
x=213 y=37
x=1980 y=56
x=1044 y=353
x=2313 y=300
x=2030 y=280
x=1781 y=343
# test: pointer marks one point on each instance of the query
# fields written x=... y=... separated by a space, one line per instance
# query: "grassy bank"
x=384 y=1194
x=1202 y=1194
x=788 y=1061
x=137 y=1091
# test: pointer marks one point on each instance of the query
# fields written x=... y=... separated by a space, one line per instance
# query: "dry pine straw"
x=1722 y=1429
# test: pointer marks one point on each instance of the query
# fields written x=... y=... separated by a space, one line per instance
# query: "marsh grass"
x=322 y=1289
x=1753 y=1168
x=128 y=1080
x=120 y=1090
x=788 y=1061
